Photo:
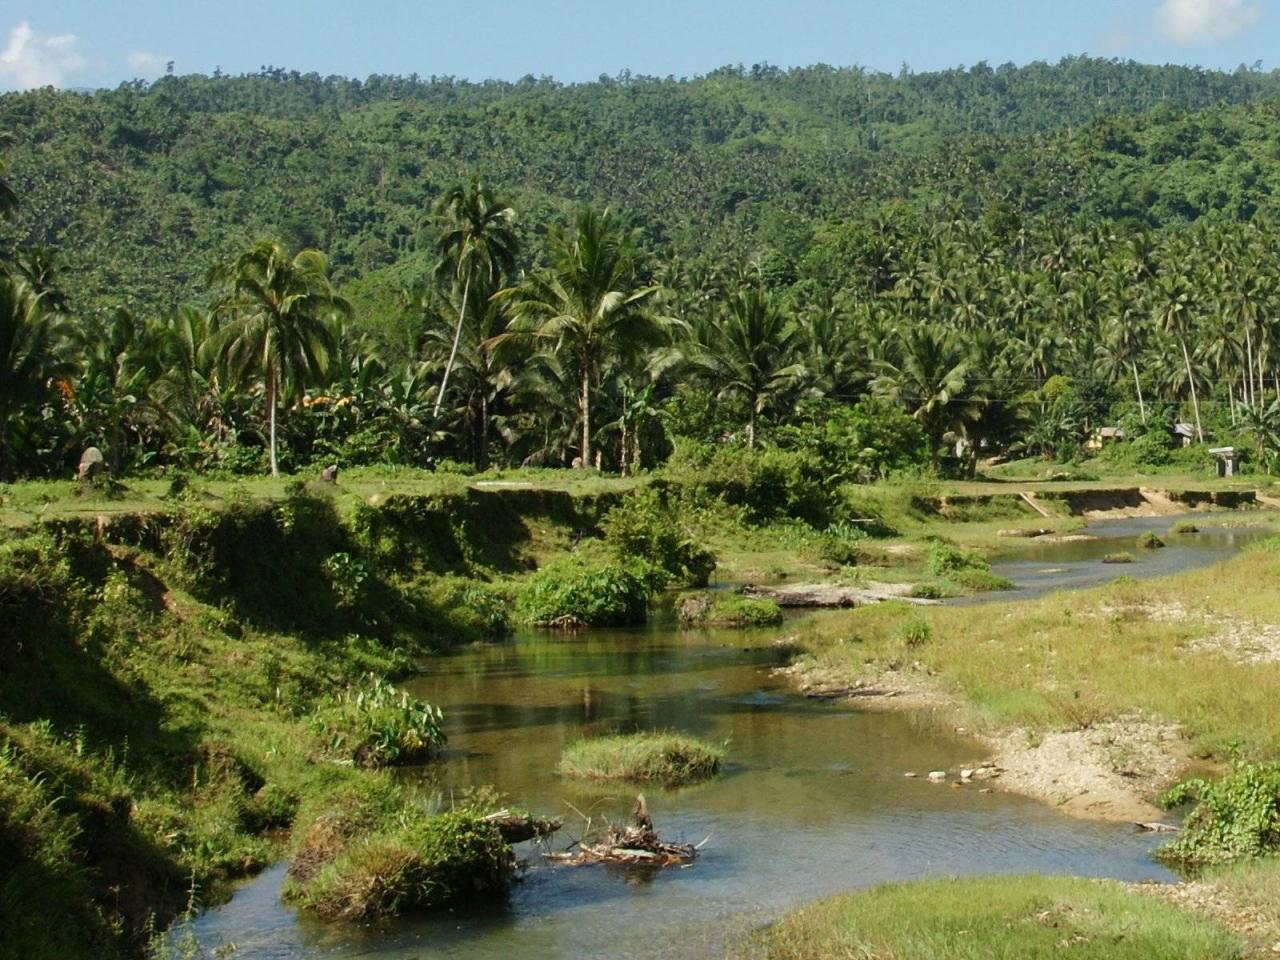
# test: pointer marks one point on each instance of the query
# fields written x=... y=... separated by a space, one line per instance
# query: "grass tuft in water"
x=668 y=758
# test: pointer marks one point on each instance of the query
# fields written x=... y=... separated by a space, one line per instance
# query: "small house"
x=1104 y=437
x=1184 y=434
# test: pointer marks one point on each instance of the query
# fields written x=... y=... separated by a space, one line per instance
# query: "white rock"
x=937 y=776
x=911 y=773
x=966 y=774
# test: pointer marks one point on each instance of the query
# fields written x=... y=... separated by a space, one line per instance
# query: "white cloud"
x=145 y=64
x=1191 y=22
x=32 y=59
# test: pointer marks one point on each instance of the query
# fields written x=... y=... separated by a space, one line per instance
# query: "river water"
x=814 y=799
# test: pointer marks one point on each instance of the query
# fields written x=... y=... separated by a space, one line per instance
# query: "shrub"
x=946 y=560
x=861 y=443
x=574 y=590
x=769 y=484
x=1149 y=541
x=724 y=609
x=381 y=725
x=408 y=860
x=1122 y=557
x=932 y=590
x=469 y=609
x=1235 y=817
x=668 y=758
x=964 y=568
x=1185 y=526
x=916 y=632
x=645 y=526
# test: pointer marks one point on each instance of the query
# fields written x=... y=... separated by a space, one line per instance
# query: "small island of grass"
x=722 y=609
x=667 y=758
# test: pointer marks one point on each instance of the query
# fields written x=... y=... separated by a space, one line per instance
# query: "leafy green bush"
x=868 y=441
x=725 y=609
x=1185 y=526
x=366 y=865
x=668 y=758
x=645 y=526
x=1149 y=541
x=770 y=483
x=380 y=725
x=964 y=568
x=1121 y=557
x=1235 y=817
x=471 y=610
x=575 y=590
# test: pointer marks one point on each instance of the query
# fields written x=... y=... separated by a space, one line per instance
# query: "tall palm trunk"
x=453 y=351
x=1248 y=346
x=271 y=419
x=751 y=428
x=1138 y=383
x=584 y=408
x=1195 y=403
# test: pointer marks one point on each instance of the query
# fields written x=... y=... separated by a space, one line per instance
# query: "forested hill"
x=143 y=186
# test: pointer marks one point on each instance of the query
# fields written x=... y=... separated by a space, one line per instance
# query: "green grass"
x=374 y=852
x=726 y=609
x=994 y=918
x=666 y=758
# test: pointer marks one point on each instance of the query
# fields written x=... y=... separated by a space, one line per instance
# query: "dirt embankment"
x=1102 y=504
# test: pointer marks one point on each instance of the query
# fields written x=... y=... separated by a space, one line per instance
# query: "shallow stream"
x=814 y=800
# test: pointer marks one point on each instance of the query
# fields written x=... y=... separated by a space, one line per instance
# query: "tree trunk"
x=453 y=351
x=584 y=407
x=484 y=433
x=1142 y=408
x=271 y=419
x=1195 y=402
x=635 y=448
x=1248 y=347
x=622 y=455
x=751 y=428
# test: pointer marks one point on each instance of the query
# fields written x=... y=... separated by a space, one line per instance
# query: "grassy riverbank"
x=1201 y=652
x=1022 y=917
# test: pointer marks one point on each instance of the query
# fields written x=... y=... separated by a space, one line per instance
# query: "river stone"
x=937 y=776
x=329 y=474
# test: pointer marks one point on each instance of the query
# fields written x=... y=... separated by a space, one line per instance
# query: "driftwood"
x=519 y=827
x=827 y=595
x=636 y=844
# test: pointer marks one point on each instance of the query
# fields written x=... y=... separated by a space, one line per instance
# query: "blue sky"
x=91 y=43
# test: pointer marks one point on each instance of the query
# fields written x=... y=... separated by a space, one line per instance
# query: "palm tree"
x=751 y=351
x=477 y=244
x=280 y=328
x=591 y=305
x=8 y=198
x=32 y=355
x=480 y=370
x=931 y=378
x=1173 y=315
